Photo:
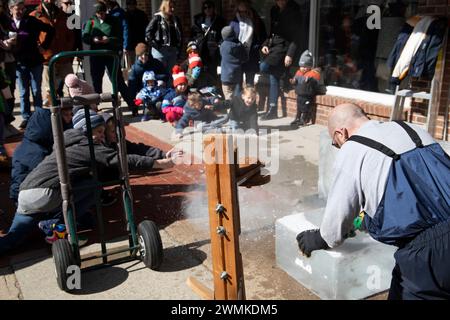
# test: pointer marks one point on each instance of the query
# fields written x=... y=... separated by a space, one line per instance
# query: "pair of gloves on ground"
x=311 y=240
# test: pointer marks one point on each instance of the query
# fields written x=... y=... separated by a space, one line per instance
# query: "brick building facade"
x=380 y=110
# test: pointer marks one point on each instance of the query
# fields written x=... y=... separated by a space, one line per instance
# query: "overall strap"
x=375 y=145
x=411 y=132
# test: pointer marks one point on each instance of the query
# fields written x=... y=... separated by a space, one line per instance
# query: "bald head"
x=348 y=116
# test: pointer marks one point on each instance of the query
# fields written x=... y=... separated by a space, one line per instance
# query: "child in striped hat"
x=195 y=64
x=175 y=99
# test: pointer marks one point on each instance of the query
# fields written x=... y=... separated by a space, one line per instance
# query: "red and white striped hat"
x=178 y=76
x=195 y=60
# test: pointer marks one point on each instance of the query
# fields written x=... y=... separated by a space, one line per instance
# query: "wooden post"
x=224 y=218
x=223 y=175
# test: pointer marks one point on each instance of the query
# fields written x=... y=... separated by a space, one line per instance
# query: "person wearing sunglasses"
x=399 y=177
x=206 y=32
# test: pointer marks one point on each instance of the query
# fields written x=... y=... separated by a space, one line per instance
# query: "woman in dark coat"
x=251 y=32
x=164 y=34
x=280 y=48
x=206 y=31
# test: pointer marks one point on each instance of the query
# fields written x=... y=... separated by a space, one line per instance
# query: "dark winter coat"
x=233 y=55
x=138 y=69
x=209 y=45
x=259 y=36
x=37 y=143
x=307 y=84
x=119 y=14
x=137 y=22
x=45 y=175
x=26 y=50
x=423 y=64
x=284 y=33
x=157 y=33
x=246 y=117
x=191 y=114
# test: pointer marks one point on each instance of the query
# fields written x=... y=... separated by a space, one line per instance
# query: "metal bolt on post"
x=224 y=276
x=221 y=231
x=220 y=209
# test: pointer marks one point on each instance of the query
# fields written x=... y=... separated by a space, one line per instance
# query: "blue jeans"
x=23 y=225
x=29 y=76
x=167 y=55
x=274 y=82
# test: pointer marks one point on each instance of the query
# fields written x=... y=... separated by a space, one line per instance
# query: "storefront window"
x=350 y=54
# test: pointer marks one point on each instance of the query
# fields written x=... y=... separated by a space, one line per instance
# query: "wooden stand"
x=223 y=175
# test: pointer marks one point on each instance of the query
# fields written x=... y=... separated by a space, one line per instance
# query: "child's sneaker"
x=58 y=232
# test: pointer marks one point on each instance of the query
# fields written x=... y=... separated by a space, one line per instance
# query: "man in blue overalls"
x=400 y=177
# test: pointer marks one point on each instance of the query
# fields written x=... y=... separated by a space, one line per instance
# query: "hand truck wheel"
x=151 y=250
x=63 y=258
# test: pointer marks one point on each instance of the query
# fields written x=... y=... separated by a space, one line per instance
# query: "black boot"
x=296 y=123
x=271 y=113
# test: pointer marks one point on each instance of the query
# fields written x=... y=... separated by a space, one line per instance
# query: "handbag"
x=126 y=67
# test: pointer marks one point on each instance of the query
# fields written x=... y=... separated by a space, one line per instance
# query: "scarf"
x=245 y=32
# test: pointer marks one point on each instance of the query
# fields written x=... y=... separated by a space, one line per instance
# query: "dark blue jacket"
x=202 y=115
x=137 y=71
x=119 y=13
x=37 y=143
x=233 y=55
x=424 y=61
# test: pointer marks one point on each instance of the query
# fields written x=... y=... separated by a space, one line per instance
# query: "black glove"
x=311 y=240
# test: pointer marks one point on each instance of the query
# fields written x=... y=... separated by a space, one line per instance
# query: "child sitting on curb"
x=149 y=96
x=175 y=99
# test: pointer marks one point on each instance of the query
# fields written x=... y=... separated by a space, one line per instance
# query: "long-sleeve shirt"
x=361 y=175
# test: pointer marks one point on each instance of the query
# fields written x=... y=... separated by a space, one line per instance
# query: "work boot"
x=296 y=123
x=271 y=113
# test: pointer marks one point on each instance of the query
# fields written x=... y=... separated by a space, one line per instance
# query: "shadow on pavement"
x=183 y=257
x=101 y=280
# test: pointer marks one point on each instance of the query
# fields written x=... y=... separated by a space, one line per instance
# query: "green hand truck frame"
x=145 y=240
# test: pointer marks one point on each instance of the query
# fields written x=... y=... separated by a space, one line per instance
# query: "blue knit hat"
x=79 y=120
